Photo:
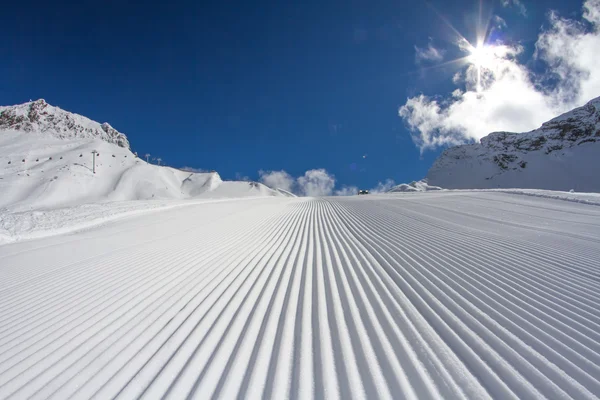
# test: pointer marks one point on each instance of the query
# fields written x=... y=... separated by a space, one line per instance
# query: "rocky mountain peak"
x=41 y=117
x=562 y=150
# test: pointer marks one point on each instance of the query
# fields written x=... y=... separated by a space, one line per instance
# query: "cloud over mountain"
x=498 y=92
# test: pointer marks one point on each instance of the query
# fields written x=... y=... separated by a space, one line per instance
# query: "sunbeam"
x=481 y=54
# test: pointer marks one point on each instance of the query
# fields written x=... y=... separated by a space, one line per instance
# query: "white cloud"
x=591 y=12
x=517 y=4
x=499 y=22
x=428 y=54
x=457 y=78
x=347 y=191
x=573 y=54
x=316 y=182
x=383 y=187
x=241 y=177
x=277 y=179
x=505 y=95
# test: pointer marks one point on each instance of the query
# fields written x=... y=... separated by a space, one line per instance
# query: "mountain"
x=46 y=162
x=39 y=116
x=415 y=186
x=563 y=154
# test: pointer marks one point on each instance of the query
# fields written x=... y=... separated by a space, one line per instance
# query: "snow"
x=437 y=294
x=572 y=196
x=31 y=224
x=414 y=186
x=41 y=117
x=48 y=184
x=148 y=281
x=585 y=198
x=561 y=155
x=285 y=192
x=59 y=173
x=46 y=163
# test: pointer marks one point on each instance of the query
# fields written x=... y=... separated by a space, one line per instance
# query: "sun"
x=482 y=55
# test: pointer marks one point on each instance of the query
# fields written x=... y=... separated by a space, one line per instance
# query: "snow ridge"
x=414 y=186
x=47 y=162
x=39 y=116
x=561 y=155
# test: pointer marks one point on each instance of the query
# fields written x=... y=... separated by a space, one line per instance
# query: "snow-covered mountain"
x=415 y=186
x=46 y=162
x=563 y=154
x=39 y=116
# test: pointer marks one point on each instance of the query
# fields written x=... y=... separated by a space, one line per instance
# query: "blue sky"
x=246 y=86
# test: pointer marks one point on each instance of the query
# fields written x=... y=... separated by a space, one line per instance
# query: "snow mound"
x=285 y=192
x=42 y=172
x=35 y=224
x=561 y=155
x=414 y=186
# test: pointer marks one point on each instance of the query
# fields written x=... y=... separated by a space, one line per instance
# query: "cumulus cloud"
x=316 y=182
x=277 y=180
x=571 y=49
x=516 y=4
x=383 y=187
x=499 y=93
x=241 y=177
x=428 y=54
x=347 y=191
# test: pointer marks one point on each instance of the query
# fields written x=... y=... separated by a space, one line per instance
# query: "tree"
x=159 y=160
x=147 y=156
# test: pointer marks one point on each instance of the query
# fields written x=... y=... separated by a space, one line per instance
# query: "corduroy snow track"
x=433 y=295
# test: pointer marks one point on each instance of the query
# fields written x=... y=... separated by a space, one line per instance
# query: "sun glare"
x=482 y=55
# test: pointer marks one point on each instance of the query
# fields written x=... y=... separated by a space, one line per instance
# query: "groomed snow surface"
x=421 y=295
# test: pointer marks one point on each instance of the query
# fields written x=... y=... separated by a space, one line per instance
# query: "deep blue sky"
x=241 y=86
